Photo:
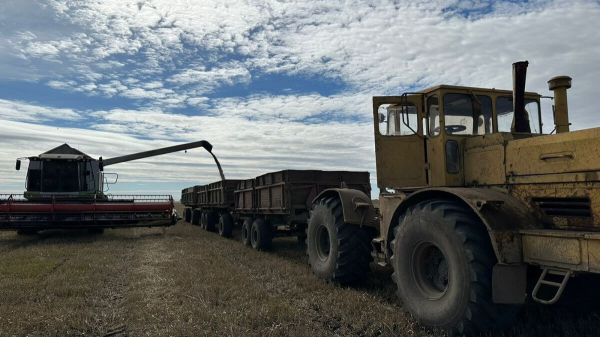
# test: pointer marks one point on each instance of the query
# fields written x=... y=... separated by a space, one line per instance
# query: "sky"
x=271 y=84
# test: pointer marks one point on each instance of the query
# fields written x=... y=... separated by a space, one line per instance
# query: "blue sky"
x=272 y=85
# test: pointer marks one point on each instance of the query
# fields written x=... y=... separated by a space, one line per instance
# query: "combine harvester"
x=65 y=190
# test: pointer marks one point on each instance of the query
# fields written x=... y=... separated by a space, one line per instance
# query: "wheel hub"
x=430 y=270
x=323 y=243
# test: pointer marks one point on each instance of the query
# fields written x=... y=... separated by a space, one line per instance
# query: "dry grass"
x=185 y=281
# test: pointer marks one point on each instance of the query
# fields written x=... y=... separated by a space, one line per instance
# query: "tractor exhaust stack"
x=559 y=85
x=520 y=118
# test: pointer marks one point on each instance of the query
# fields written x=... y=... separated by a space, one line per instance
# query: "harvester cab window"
x=504 y=109
x=34 y=177
x=60 y=176
x=433 y=115
x=467 y=114
x=398 y=120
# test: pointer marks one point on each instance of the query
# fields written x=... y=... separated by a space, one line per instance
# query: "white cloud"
x=21 y=111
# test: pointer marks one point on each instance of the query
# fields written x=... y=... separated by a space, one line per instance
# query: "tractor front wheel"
x=443 y=259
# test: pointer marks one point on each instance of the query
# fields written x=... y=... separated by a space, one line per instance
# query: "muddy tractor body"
x=472 y=193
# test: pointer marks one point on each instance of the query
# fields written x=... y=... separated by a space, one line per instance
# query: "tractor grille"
x=570 y=207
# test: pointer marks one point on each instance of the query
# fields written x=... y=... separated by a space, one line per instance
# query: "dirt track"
x=185 y=281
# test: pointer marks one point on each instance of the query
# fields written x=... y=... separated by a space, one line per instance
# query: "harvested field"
x=185 y=281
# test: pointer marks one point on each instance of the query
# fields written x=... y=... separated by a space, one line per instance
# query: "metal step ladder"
x=566 y=275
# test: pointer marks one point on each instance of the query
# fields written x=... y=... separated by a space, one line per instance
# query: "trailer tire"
x=454 y=293
x=203 y=219
x=95 y=231
x=27 y=232
x=246 y=228
x=187 y=214
x=260 y=235
x=337 y=252
x=212 y=218
x=225 y=225
x=196 y=217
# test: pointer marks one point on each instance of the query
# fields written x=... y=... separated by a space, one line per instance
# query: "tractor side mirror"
x=381 y=118
x=18 y=166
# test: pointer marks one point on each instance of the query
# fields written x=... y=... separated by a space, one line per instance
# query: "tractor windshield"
x=467 y=114
x=504 y=109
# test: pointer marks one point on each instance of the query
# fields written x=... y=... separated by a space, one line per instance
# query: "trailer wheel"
x=225 y=225
x=27 y=232
x=443 y=260
x=246 y=228
x=203 y=219
x=260 y=235
x=196 y=217
x=95 y=231
x=337 y=251
x=187 y=214
x=212 y=218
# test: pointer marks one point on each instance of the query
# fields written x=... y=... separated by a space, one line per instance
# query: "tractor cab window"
x=60 y=176
x=433 y=116
x=398 y=120
x=467 y=114
x=504 y=109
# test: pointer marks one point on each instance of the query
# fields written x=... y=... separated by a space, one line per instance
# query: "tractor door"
x=399 y=141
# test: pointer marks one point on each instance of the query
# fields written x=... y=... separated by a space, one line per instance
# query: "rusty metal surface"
x=578 y=251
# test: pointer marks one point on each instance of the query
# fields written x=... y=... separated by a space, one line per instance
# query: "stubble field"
x=183 y=280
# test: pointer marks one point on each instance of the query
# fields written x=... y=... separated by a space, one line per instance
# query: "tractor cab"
x=420 y=137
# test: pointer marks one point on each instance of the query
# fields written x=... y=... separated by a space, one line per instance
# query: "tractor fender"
x=502 y=214
x=357 y=207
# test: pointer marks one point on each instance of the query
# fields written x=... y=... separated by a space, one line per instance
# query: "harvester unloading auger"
x=65 y=190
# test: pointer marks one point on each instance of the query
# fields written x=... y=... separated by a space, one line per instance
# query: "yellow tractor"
x=472 y=193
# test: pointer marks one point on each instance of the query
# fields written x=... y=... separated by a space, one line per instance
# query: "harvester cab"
x=65 y=190
x=65 y=171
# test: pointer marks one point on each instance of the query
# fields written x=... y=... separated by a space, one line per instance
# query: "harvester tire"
x=225 y=225
x=337 y=251
x=212 y=218
x=187 y=214
x=196 y=217
x=27 y=232
x=443 y=259
x=246 y=228
x=260 y=235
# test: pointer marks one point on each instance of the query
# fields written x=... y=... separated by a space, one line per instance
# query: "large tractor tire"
x=246 y=229
x=187 y=214
x=225 y=225
x=338 y=252
x=260 y=235
x=196 y=217
x=443 y=259
x=212 y=218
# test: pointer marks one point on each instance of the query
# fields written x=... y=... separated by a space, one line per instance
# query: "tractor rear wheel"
x=337 y=251
x=246 y=228
x=196 y=217
x=443 y=259
x=212 y=218
x=225 y=225
x=260 y=235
